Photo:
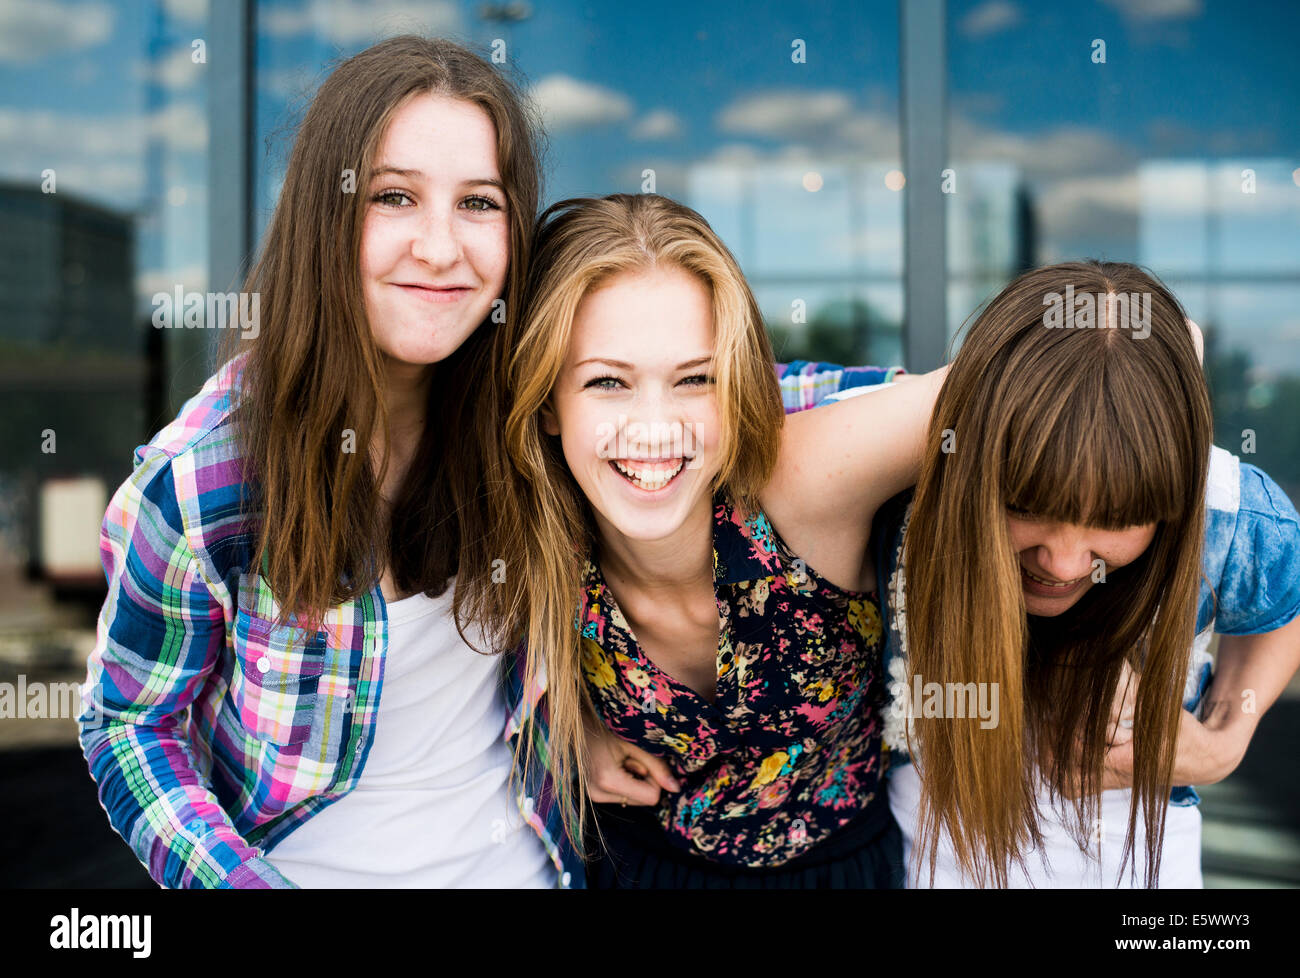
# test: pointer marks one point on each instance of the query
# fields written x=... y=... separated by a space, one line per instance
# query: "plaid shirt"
x=213 y=732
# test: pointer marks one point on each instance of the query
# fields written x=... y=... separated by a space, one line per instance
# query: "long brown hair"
x=314 y=377
x=543 y=517
x=1097 y=426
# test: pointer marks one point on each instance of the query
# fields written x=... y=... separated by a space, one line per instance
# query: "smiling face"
x=634 y=404
x=435 y=243
x=1056 y=559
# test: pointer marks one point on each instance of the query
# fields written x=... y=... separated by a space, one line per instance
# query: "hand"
x=1204 y=755
x=1198 y=340
x=1206 y=752
x=619 y=772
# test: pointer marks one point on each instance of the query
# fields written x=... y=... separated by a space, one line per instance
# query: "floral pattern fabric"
x=790 y=749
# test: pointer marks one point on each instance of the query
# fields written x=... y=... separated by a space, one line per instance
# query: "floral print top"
x=791 y=748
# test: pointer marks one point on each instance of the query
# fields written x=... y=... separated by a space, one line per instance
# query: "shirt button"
x=263 y=664
x=564 y=880
x=528 y=805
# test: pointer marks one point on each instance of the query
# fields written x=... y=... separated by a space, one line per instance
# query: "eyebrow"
x=419 y=174
x=621 y=365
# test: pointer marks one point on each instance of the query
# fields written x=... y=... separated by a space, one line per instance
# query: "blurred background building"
x=880 y=169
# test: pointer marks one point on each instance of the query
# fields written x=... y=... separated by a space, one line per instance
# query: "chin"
x=1046 y=607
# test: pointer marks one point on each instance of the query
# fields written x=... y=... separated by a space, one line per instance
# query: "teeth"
x=1048 y=583
x=650 y=480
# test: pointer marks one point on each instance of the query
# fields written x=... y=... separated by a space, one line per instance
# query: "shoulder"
x=190 y=474
x=200 y=422
x=1252 y=548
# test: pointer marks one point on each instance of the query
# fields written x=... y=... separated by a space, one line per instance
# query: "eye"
x=606 y=383
x=386 y=195
x=696 y=380
x=481 y=203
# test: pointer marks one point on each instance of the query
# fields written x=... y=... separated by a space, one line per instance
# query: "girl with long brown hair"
x=1054 y=549
x=286 y=547
x=694 y=567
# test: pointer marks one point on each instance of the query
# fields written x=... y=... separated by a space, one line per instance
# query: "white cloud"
x=779 y=114
x=97 y=156
x=292 y=82
x=1063 y=150
x=659 y=124
x=1152 y=10
x=194 y=11
x=990 y=18
x=175 y=70
x=567 y=103
x=349 y=22
x=32 y=31
x=825 y=120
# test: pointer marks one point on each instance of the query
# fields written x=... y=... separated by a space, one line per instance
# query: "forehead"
x=445 y=138
x=645 y=317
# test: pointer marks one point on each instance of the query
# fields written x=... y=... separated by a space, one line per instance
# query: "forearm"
x=1251 y=673
x=161 y=806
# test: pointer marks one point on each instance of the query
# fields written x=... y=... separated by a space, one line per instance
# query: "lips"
x=435 y=293
x=1042 y=586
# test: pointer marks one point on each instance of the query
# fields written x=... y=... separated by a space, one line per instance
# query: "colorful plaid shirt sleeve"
x=806 y=383
x=160 y=633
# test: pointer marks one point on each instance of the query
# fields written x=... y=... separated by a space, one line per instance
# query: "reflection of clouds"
x=990 y=18
x=1064 y=149
x=32 y=31
x=1156 y=10
x=659 y=124
x=568 y=103
x=826 y=118
x=174 y=71
x=1189 y=187
x=193 y=11
x=289 y=83
x=350 y=22
x=98 y=156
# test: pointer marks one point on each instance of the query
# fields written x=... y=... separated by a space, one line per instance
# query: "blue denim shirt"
x=1251 y=582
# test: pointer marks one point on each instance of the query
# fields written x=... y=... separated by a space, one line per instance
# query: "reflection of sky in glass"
x=109 y=96
x=1141 y=159
x=726 y=121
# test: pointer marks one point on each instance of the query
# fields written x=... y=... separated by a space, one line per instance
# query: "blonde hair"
x=544 y=518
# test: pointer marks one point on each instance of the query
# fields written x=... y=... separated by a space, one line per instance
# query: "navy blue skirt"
x=867 y=853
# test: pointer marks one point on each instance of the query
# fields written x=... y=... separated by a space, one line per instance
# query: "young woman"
x=1059 y=521
x=280 y=694
x=695 y=575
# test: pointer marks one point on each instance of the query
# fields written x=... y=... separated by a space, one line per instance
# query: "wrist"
x=1229 y=730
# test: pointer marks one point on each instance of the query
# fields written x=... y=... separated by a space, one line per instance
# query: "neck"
x=682 y=559
x=406 y=393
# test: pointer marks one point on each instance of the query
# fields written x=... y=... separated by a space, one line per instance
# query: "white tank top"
x=431 y=808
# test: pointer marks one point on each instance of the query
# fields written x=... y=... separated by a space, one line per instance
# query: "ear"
x=550 y=423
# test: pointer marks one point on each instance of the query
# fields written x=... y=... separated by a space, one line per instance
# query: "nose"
x=1064 y=555
x=655 y=425
x=437 y=242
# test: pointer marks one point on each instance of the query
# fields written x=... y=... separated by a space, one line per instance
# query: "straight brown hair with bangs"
x=314 y=371
x=543 y=518
x=1094 y=425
